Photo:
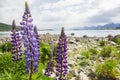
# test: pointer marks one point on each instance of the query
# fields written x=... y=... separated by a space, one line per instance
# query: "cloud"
x=57 y=13
x=105 y=17
x=10 y=10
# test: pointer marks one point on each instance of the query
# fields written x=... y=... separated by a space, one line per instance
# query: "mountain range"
x=7 y=27
x=109 y=26
x=99 y=27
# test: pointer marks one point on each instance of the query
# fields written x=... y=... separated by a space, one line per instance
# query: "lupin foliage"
x=50 y=66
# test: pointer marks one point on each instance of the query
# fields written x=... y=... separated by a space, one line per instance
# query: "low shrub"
x=102 y=43
x=116 y=40
x=109 y=51
x=6 y=47
x=93 y=51
x=84 y=63
x=86 y=54
x=45 y=52
x=107 y=70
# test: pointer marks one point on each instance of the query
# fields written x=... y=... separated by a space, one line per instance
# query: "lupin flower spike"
x=31 y=52
x=37 y=36
x=61 y=57
x=50 y=66
x=16 y=43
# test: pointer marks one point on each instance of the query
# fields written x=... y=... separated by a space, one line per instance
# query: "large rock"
x=72 y=41
x=101 y=59
x=112 y=43
x=110 y=37
x=77 y=40
x=71 y=62
x=117 y=36
x=73 y=78
x=74 y=72
x=82 y=76
x=92 y=75
x=79 y=46
x=78 y=56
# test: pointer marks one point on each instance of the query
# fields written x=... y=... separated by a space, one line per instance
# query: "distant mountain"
x=45 y=29
x=100 y=27
x=6 y=27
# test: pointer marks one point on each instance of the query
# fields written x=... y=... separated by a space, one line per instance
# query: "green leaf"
x=7 y=74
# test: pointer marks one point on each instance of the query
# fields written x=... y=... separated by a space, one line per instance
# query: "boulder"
x=101 y=59
x=73 y=78
x=71 y=62
x=73 y=42
x=112 y=43
x=74 y=72
x=78 y=56
x=82 y=76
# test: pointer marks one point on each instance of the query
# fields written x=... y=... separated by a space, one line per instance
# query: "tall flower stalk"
x=31 y=52
x=61 y=57
x=37 y=36
x=50 y=66
x=16 y=43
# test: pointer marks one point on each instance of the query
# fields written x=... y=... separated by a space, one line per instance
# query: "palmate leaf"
x=8 y=75
x=40 y=75
x=37 y=76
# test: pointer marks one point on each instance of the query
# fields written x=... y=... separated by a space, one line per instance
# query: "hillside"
x=6 y=27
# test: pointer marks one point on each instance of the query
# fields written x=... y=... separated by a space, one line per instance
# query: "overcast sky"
x=67 y=13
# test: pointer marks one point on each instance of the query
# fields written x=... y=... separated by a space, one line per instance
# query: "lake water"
x=78 y=33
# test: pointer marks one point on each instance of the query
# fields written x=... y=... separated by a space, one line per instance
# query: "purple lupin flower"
x=31 y=52
x=37 y=36
x=61 y=57
x=50 y=66
x=16 y=43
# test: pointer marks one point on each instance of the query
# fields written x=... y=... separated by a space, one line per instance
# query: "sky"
x=54 y=14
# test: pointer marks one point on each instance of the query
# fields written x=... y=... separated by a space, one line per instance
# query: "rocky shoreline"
x=80 y=66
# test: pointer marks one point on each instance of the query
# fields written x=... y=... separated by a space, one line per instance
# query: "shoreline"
x=56 y=36
x=82 y=62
